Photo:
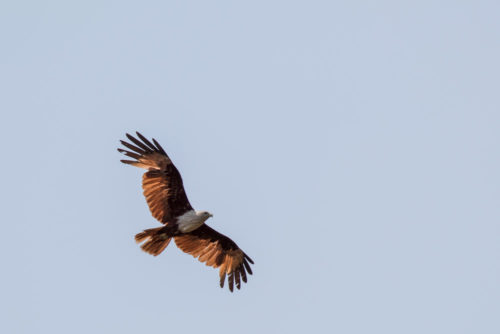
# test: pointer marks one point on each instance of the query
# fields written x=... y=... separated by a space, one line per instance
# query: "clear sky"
x=351 y=148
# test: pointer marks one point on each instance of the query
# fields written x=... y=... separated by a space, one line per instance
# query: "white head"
x=204 y=214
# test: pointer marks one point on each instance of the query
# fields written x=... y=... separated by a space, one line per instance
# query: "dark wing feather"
x=162 y=183
x=218 y=251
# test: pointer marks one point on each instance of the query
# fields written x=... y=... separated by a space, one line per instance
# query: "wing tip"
x=248 y=258
x=222 y=279
x=129 y=136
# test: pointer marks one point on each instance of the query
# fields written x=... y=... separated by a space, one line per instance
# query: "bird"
x=167 y=200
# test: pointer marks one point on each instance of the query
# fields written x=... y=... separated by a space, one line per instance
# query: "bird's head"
x=204 y=214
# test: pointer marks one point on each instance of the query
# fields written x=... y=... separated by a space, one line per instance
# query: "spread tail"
x=153 y=240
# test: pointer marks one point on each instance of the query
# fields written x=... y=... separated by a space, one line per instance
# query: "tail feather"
x=154 y=240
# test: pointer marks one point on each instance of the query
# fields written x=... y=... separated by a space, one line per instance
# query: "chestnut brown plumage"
x=167 y=200
x=218 y=251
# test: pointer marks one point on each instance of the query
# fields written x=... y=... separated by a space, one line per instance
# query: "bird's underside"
x=168 y=203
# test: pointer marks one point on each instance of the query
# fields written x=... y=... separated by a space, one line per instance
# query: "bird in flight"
x=168 y=203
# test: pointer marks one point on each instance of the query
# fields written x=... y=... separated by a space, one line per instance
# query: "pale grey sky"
x=350 y=148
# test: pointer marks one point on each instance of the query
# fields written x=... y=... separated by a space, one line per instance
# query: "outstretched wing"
x=162 y=183
x=218 y=251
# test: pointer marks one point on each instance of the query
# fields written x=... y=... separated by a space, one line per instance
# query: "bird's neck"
x=190 y=221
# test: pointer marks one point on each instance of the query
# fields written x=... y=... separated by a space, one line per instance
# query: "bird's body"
x=168 y=203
